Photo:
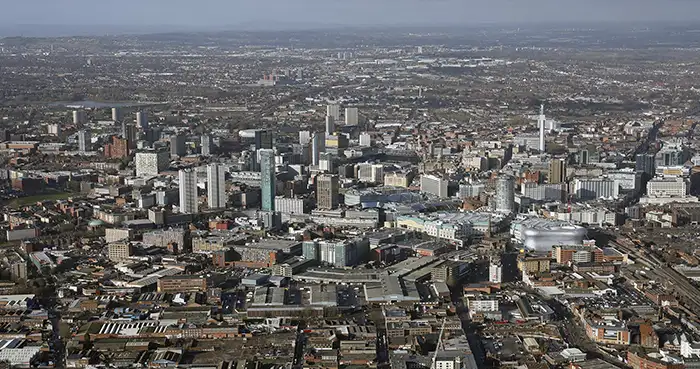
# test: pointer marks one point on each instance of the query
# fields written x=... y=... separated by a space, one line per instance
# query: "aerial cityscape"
x=404 y=198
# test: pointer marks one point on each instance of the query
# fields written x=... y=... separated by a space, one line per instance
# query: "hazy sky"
x=221 y=13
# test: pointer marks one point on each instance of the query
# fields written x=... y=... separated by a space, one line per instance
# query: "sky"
x=278 y=14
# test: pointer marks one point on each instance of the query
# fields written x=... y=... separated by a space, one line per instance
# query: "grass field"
x=22 y=201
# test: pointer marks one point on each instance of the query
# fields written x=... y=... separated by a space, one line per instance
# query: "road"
x=299 y=345
x=382 y=349
x=471 y=333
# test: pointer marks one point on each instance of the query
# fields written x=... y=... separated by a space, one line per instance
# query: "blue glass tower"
x=267 y=179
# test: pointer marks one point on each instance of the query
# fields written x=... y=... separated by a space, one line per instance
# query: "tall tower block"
x=541 y=121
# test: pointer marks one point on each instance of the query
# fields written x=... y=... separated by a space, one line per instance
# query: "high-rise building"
x=367 y=172
x=318 y=145
x=205 y=144
x=263 y=139
x=365 y=139
x=216 y=186
x=177 y=145
x=117 y=149
x=351 y=116
x=330 y=125
x=304 y=137
x=267 y=179
x=141 y=120
x=129 y=133
x=151 y=163
x=557 y=171
x=644 y=163
x=327 y=187
x=325 y=162
x=84 y=141
x=434 y=185
x=333 y=110
x=79 y=117
x=54 y=129
x=541 y=122
x=188 y=191
x=505 y=193
x=116 y=114
x=495 y=271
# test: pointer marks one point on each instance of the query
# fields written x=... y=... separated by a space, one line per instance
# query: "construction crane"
x=439 y=343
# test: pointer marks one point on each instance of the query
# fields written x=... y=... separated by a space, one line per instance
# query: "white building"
x=79 y=117
x=333 y=110
x=594 y=188
x=188 y=191
x=434 y=185
x=286 y=205
x=351 y=116
x=367 y=172
x=151 y=163
x=495 y=272
x=141 y=120
x=304 y=137
x=365 y=139
x=54 y=129
x=667 y=187
x=483 y=305
x=471 y=190
x=454 y=231
x=205 y=144
x=84 y=141
x=543 y=192
x=330 y=125
x=216 y=186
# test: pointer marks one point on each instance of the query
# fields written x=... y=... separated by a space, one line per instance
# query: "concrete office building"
x=365 y=139
x=205 y=145
x=333 y=110
x=434 y=185
x=330 y=125
x=327 y=187
x=557 y=171
x=645 y=163
x=117 y=115
x=286 y=205
x=141 y=120
x=544 y=192
x=342 y=253
x=84 y=141
x=79 y=117
x=318 y=145
x=188 y=191
x=351 y=117
x=119 y=251
x=129 y=133
x=182 y=283
x=216 y=186
x=267 y=179
x=263 y=139
x=594 y=188
x=304 y=137
x=505 y=193
x=325 y=162
x=177 y=145
x=667 y=187
x=151 y=163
